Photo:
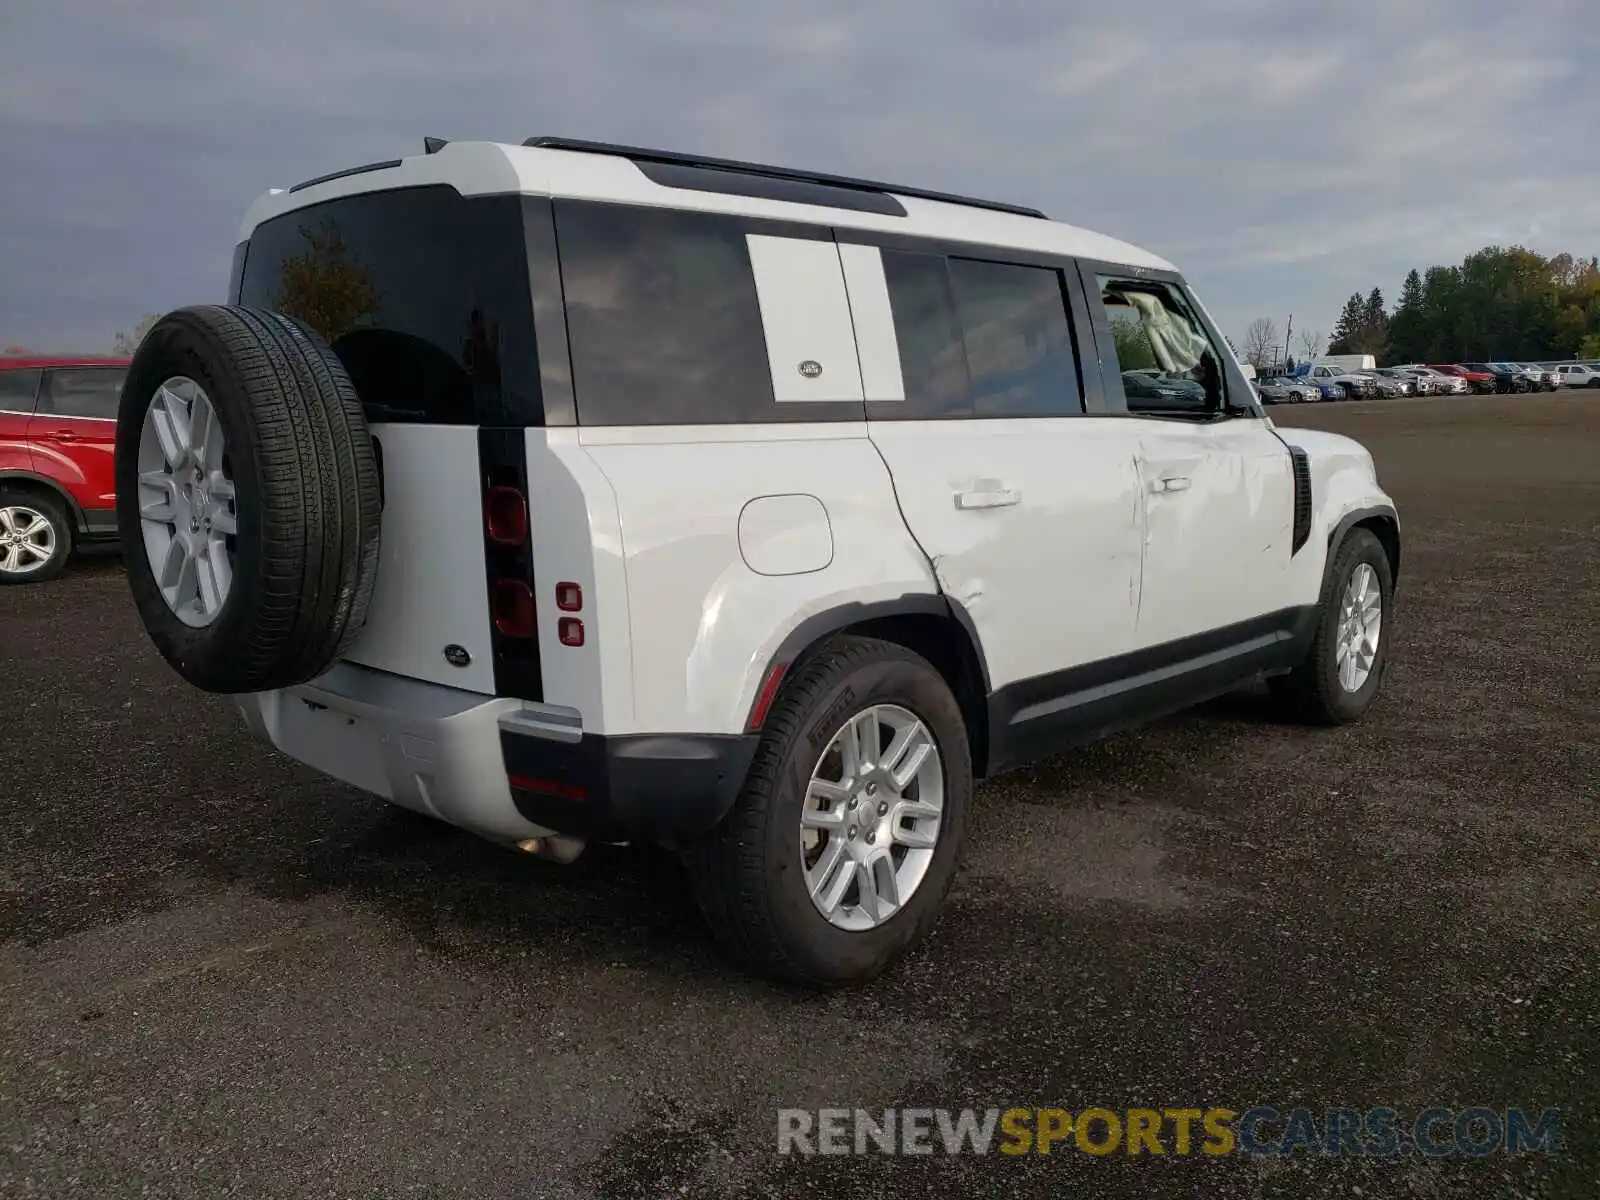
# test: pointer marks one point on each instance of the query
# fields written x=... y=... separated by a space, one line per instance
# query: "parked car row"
x=1334 y=381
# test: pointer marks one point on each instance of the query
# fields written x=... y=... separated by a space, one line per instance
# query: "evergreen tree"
x=1348 y=327
x=1407 y=337
x=1374 y=316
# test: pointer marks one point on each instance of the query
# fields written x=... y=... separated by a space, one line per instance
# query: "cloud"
x=1283 y=155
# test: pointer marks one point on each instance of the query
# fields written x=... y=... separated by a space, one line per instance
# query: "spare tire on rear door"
x=247 y=498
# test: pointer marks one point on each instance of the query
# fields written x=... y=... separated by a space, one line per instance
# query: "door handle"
x=62 y=435
x=1170 y=483
x=998 y=498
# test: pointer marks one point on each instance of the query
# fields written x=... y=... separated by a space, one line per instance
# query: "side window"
x=662 y=318
x=932 y=358
x=18 y=390
x=1167 y=362
x=83 y=392
x=980 y=339
x=1019 y=345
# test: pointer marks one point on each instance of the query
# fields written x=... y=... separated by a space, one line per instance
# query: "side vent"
x=1302 y=497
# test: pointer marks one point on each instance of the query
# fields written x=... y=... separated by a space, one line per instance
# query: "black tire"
x=748 y=874
x=43 y=505
x=307 y=497
x=1312 y=691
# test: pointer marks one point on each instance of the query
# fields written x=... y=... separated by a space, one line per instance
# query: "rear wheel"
x=35 y=536
x=1339 y=677
x=842 y=846
x=247 y=498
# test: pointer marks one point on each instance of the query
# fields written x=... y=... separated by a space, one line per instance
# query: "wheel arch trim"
x=813 y=630
x=74 y=509
x=1384 y=513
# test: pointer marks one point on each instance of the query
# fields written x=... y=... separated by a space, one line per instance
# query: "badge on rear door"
x=811 y=368
x=457 y=656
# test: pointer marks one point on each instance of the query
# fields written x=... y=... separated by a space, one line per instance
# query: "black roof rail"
x=672 y=158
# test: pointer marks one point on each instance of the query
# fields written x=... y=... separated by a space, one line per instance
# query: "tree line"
x=1500 y=304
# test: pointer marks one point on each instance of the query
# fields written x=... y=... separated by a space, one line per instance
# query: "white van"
x=1349 y=362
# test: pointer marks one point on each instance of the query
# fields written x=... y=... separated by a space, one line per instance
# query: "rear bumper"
x=504 y=769
x=655 y=787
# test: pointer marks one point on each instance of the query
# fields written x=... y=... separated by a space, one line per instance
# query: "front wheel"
x=1338 y=679
x=837 y=857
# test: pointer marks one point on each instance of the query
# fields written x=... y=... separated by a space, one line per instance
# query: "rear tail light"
x=508 y=562
x=569 y=597
x=505 y=516
x=570 y=631
x=513 y=608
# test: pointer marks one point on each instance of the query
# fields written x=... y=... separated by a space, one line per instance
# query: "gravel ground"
x=221 y=975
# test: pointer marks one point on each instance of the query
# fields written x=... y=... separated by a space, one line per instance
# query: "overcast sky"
x=1282 y=152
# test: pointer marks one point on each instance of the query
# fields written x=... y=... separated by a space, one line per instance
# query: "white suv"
x=572 y=492
x=1578 y=375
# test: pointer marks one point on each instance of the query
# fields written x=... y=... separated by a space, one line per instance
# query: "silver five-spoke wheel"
x=871 y=817
x=1360 y=622
x=27 y=540
x=186 y=501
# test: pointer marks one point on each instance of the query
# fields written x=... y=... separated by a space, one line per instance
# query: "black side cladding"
x=503 y=462
x=1301 y=465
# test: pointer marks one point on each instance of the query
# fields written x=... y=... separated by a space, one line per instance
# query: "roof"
x=31 y=362
x=607 y=173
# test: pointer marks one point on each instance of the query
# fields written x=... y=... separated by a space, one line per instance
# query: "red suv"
x=58 y=429
x=1478 y=381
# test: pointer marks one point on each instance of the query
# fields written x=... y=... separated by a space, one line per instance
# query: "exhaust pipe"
x=553 y=848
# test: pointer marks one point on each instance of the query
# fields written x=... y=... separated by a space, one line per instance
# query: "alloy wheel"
x=27 y=540
x=187 y=508
x=1360 y=625
x=871 y=817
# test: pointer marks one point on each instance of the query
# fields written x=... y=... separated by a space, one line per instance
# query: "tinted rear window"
x=662 y=317
x=979 y=339
x=422 y=293
x=17 y=390
x=83 y=392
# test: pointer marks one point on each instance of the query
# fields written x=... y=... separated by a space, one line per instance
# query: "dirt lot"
x=222 y=975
